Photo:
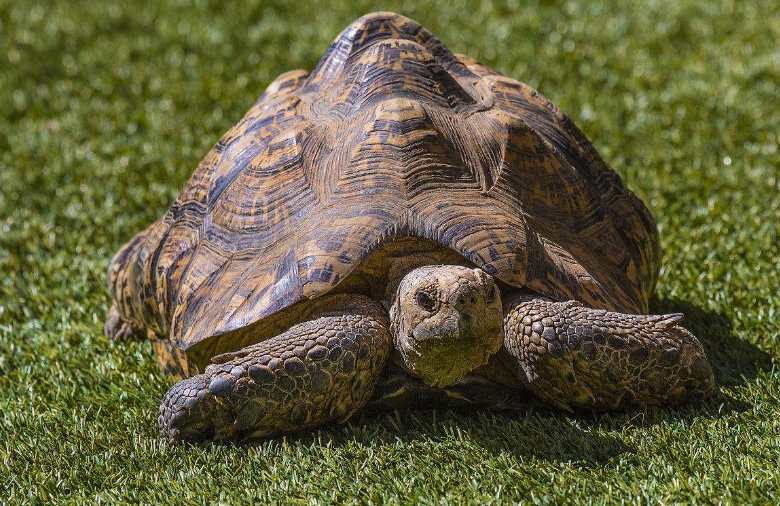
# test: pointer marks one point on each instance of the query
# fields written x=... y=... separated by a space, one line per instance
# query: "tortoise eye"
x=492 y=294
x=424 y=301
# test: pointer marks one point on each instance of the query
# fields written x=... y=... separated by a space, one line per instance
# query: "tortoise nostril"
x=467 y=300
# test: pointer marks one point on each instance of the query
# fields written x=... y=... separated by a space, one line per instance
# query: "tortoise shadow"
x=540 y=433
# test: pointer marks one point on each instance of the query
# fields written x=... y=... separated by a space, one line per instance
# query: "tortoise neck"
x=400 y=266
x=379 y=274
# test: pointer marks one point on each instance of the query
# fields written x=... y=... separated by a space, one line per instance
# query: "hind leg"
x=118 y=328
x=320 y=370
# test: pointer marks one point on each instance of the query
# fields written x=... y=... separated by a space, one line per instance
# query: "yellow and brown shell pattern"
x=391 y=136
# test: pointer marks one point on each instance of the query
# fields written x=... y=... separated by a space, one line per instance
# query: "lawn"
x=107 y=107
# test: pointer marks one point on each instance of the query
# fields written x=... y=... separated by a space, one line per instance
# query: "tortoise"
x=402 y=227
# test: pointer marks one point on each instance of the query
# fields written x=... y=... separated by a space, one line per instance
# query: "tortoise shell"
x=390 y=137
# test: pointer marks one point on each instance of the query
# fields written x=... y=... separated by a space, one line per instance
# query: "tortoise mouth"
x=444 y=359
x=442 y=364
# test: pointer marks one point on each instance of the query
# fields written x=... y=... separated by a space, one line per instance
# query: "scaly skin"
x=574 y=356
x=320 y=370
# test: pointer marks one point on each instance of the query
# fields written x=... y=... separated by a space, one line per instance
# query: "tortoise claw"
x=188 y=411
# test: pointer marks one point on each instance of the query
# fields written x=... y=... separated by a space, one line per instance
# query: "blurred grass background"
x=107 y=107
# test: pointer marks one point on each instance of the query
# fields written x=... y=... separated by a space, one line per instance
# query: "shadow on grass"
x=584 y=439
x=539 y=433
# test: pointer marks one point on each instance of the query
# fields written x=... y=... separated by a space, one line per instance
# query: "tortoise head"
x=446 y=320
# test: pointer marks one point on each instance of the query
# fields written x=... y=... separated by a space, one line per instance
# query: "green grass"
x=105 y=110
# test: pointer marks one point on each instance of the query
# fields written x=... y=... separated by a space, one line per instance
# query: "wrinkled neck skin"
x=446 y=320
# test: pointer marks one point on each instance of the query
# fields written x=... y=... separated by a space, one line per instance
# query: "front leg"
x=574 y=356
x=320 y=370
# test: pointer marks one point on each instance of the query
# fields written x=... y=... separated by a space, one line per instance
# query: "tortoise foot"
x=577 y=357
x=321 y=370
